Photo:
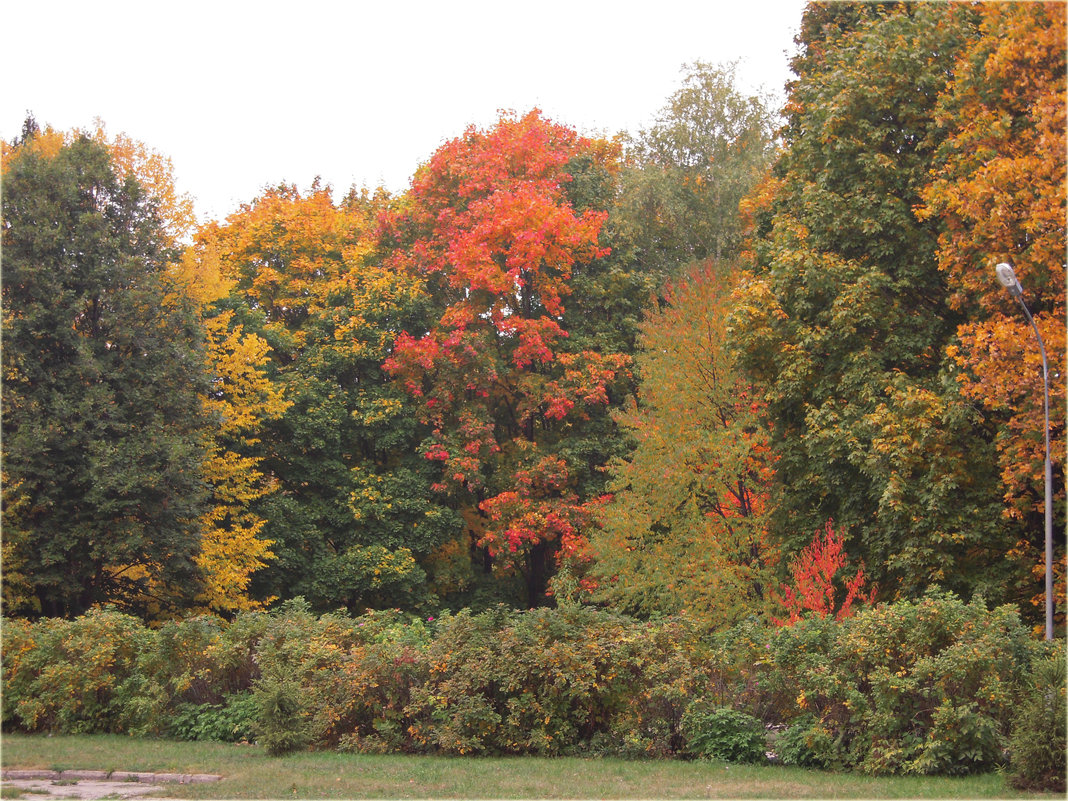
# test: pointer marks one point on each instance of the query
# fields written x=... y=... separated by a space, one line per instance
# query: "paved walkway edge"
x=110 y=775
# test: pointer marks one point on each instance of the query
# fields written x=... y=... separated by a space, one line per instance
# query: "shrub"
x=807 y=743
x=562 y=671
x=283 y=719
x=374 y=687
x=924 y=686
x=197 y=662
x=18 y=641
x=723 y=733
x=814 y=572
x=555 y=681
x=917 y=687
x=299 y=658
x=232 y=721
x=176 y=671
x=74 y=677
x=461 y=706
x=1039 y=740
x=663 y=666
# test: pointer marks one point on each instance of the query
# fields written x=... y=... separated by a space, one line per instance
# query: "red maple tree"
x=489 y=224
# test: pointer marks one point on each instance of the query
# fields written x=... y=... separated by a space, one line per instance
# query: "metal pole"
x=1007 y=277
x=1049 y=477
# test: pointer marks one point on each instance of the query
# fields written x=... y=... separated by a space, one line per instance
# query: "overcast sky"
x=241 y=95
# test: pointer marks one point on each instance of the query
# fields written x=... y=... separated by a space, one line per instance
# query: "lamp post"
x=1007 y=278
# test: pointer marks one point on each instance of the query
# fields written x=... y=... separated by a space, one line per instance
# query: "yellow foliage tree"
x=243 y=396
x=687 y=527
x=155 y=174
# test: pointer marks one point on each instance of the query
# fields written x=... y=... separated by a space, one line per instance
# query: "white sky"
x=242 y=95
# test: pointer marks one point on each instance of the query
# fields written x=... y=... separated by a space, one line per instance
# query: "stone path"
x=92 y=784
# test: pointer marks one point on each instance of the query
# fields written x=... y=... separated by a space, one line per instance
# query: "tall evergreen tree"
x=103 y=428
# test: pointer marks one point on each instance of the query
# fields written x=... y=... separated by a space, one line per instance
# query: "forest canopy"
x=738 y=363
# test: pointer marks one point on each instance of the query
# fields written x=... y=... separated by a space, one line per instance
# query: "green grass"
x=250 y=773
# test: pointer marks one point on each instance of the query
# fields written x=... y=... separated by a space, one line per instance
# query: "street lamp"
x=1007 y=278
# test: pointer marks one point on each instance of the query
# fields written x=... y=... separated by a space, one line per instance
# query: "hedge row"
x=925 y=686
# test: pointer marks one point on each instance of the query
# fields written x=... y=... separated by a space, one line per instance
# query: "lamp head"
x=1007 y=278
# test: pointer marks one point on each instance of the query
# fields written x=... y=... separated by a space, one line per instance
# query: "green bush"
x=723 y=733
x=197 y=662
x=299 y=658
x=74 y=676
x=556 y=681
x=924 y=686
x=283 y=718
x=562 y=675
x=177 y=671
x=510 y=682
x=807 y=743
x=232 y=721
x=18 y=642
x=374 y=688
x=664 y=665
x=460 y=707
x=915 y=687
x=1039 y=739
x=743 y=674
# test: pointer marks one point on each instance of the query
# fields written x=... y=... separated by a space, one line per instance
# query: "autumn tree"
x=155 y=173
x=999 y=193
x=103 y=429
x=241 y=400
x=489 y=225
x=351 y=521
x=240 y=395
x=687 y=526
x=820 y=583
x=847 y=319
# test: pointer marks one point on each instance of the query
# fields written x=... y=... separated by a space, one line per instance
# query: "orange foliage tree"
x=489 y=224
x=999 y=190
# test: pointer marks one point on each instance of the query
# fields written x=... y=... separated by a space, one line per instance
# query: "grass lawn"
x=251 y=773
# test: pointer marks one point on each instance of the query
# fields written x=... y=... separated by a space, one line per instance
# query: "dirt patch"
x=82 y=788
x=89 y=784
